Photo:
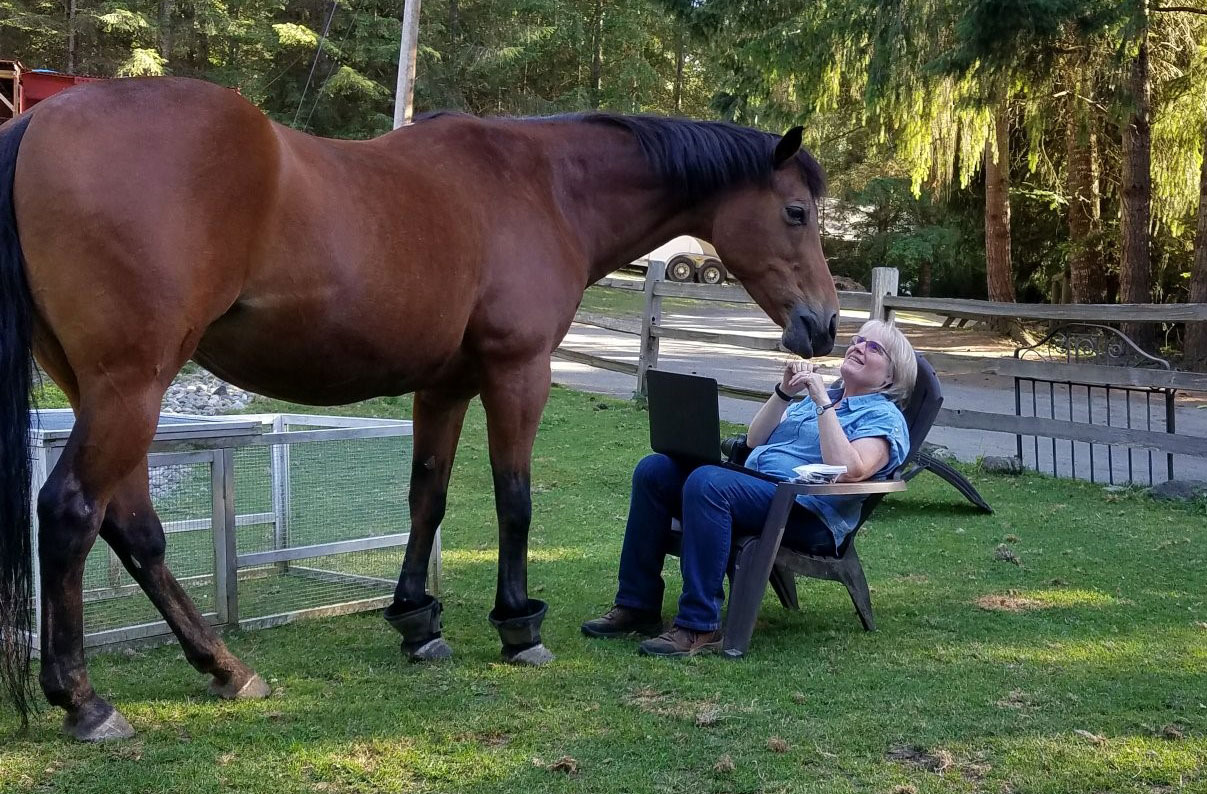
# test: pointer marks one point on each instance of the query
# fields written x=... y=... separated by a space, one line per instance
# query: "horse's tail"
x=16 y=325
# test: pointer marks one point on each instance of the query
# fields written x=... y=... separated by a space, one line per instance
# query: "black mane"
x=698 y=158
x=701 y=157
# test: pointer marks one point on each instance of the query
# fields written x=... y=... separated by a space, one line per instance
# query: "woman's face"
x=866 y=366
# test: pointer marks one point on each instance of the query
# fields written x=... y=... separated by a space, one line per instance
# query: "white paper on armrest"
x=818 y=472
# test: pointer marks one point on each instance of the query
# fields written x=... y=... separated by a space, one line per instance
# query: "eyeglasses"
x=872 y=345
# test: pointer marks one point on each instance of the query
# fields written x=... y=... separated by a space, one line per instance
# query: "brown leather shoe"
x=682 y=642
x=623 y=622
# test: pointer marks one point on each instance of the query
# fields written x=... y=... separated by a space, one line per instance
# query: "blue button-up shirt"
x=796 y=440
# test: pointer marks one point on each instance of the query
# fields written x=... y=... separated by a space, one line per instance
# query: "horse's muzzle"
x=808 y=332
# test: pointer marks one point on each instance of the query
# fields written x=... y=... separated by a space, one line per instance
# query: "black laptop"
x=685 y=421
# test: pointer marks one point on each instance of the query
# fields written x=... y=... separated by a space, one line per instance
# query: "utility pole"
x=404 y=93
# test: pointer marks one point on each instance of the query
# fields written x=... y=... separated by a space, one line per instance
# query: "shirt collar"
x=851 y=403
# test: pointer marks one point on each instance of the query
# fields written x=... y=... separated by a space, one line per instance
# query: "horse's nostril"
x=834 y=325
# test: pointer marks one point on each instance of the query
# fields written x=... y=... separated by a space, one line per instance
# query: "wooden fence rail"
x=882 y=301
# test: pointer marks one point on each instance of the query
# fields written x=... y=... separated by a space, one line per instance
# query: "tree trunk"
x=596 y=93
x=680 y=56
x=1196 y=333
x=1085 y=265
x=997 y=209
x=454 y=19
x=165 y=29
x=1135 y=270
x=925 y=277
x=70 y=37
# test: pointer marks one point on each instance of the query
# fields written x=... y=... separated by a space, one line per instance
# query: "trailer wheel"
x=681 y=269
x=712 y=272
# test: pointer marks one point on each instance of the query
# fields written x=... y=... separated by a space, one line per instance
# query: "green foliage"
x=927 y=238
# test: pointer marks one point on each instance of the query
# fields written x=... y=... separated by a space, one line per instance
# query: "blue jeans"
x=712 y=504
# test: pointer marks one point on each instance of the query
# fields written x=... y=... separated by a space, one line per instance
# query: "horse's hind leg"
x=415 y=614
x=114 y=425
x=132 y=528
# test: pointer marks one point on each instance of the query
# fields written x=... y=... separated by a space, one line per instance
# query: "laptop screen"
x=684 y=417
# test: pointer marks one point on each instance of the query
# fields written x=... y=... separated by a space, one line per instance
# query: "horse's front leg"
x=514 y=396
x=415 y=614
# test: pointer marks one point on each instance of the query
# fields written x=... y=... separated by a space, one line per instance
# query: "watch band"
x=821 y=409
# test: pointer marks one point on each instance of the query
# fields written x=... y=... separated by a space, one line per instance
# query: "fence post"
x=884 y=282
x=280 y=491
x=226 y=560
x=651 y=316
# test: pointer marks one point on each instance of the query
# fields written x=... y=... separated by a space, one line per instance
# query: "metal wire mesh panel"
x=309 y=516
x=313 y=494
x=332 y=582
x=183 y=499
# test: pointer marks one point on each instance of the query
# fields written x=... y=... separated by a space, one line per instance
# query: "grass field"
x=1076 y=662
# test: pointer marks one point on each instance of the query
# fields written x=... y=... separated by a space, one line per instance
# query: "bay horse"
x=147 y=222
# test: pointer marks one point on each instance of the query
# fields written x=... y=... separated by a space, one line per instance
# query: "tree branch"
x=1187 y=9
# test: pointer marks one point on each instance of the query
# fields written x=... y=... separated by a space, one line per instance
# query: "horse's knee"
x=428 y=501
x=67 y=521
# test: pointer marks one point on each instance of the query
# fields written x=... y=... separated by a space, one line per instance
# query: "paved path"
x=963 y=386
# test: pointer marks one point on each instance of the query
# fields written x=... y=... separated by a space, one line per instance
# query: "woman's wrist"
x=783 y=395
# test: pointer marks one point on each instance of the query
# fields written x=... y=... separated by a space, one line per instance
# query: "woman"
x=857 y=425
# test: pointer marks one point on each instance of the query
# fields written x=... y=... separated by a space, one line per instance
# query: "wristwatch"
x=821 y=409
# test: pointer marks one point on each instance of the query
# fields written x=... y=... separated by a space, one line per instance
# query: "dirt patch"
x=1008 y=603
x=920 y=758
x=566 y=765
x=938 y=761
x=1004 y=553
x=1017 y=699
x=703 y=713
x=777 y=745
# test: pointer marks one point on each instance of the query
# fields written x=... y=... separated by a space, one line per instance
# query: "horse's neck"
x=613 y=199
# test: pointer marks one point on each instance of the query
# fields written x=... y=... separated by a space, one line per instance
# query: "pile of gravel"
x=196 y=393
x=201 y=394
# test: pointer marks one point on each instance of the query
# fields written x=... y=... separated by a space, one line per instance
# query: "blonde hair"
x=904 y=366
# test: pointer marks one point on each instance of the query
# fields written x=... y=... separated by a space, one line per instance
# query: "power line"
x=318 y=51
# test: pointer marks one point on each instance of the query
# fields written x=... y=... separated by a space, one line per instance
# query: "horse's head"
x=768 y=236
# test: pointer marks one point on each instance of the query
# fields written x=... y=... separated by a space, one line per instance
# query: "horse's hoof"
x=102 y=724
x=536 y=656
x=434 y=650
x=253 y=688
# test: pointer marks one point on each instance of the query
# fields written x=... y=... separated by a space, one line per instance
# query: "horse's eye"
x=795 y=215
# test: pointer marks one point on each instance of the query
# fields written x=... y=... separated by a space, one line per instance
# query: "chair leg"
x=752 y=569
x=967 y=489
x=784 y=585
x=857 y=586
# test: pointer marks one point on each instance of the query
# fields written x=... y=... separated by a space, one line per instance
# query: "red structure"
x=21 y=88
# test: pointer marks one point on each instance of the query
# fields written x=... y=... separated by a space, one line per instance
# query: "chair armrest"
x=841 y=488
x=735 y=449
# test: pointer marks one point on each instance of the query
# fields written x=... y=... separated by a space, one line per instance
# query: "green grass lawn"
x=1082 y=669
x=605 y=300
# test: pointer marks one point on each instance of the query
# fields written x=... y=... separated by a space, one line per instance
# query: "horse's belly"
x=324 y=368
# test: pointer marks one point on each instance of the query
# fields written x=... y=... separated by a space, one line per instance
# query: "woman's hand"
x=799 y=376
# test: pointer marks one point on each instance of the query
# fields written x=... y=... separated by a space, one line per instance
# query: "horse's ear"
x=788 y=146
